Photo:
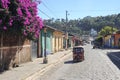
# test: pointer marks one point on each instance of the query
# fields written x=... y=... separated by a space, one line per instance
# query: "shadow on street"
x=115 y=58
x=68 y=62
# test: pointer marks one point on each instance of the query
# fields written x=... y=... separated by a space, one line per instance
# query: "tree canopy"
x=84 y=26
x=107 y=30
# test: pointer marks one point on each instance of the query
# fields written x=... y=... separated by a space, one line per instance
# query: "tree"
x=20 y=17
x=81 y=26
x=98 y=41
x=107 y=30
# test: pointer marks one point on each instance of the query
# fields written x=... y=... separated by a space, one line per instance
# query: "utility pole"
x=66 y=33
x=45 y=60
x=66 y=17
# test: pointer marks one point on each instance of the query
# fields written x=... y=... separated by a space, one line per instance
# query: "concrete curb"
x=48 y=66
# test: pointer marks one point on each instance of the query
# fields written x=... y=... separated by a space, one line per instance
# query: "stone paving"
x=29 y=70
x=96 y=66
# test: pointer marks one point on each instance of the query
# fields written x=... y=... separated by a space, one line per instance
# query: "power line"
x=44 y=13
x=91 y=10
x=48 y=8
x=95 y=10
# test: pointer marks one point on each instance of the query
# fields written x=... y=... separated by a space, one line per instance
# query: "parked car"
x=78 y=54
x=96 y=46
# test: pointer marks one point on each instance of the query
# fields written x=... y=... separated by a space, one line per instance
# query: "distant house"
x=70 y=40
x=54 y=40
x=74 y=40
x=107 y=41
x=117 y=40
x=112 y=40
x=57 y=41
x=85 y=37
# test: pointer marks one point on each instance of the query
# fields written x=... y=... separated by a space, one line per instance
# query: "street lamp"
x=45 y=55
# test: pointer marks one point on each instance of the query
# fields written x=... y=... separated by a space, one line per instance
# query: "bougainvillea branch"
x=20 y=16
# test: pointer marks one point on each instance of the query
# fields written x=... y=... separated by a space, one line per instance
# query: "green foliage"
x=98 y=41
x=20 y=17
x=84 y=26
x=107 y=30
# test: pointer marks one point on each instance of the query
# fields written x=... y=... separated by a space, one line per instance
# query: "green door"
x=49 y=42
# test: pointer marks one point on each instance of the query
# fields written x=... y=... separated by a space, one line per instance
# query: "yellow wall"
x=107 y=38
x=57 y=44
x=53 y=44
x=57 y=41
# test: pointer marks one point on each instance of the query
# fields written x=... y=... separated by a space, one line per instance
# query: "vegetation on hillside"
x=84 y=26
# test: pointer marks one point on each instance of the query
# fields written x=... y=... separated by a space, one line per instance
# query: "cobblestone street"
x=96 y=66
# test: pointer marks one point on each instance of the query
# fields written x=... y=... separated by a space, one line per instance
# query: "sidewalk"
x=30 y=70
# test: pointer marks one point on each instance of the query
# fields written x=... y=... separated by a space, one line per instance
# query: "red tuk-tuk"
x=78 y=54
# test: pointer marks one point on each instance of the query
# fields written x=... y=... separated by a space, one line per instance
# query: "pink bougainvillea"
x=5 y=3
x=20 y=16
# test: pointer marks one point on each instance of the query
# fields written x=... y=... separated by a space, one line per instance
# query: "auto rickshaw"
x=78 y=54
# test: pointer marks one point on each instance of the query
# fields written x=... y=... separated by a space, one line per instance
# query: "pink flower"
x=25 y=33
x=5 y=28
x=23 y=14
x=26 y=22
x=5 y=3
x=19 y=11
x=11 y=21
x=36 y=35
x=0 y=21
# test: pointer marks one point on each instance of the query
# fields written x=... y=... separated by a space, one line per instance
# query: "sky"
x=77 y=9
